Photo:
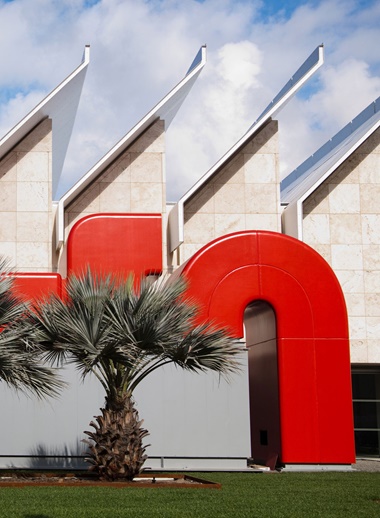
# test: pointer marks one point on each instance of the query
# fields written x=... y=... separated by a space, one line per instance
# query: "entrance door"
x=261 y=341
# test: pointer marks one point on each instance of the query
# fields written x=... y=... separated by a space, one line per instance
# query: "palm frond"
x=21 y=365
x=122 y=331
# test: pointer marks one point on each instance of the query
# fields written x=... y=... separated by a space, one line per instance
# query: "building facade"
x=291 y=268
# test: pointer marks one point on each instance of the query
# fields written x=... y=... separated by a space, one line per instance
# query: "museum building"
x=291 y=268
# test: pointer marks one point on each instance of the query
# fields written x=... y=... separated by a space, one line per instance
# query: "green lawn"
x=263 y=495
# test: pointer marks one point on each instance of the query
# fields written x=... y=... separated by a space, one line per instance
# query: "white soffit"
x=166 y=109
x=299 y=184
x=306 y=70
x=60 y=106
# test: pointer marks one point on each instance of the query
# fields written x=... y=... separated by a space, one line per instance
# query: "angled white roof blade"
x=303 y=74
x=304 y=180
x=165 y=110
x=305 y=176
x=61 y=106
x=307 y=69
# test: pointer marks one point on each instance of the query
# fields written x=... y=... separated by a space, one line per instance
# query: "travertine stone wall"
x=243 y=195
x=133 y=183
x=342 y=222
x=25 y=202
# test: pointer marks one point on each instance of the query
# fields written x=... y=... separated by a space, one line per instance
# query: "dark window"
x=366 y=398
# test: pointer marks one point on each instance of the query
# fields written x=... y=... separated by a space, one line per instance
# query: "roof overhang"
x=60 y=106
x=166 y=110
x=316 y=169
x=307 y=69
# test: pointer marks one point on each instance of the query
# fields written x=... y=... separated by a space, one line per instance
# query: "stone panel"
x=372 y=281
x=317 y=229
x=25 y=201
x=369 y=198
x=146 y=167
x=227 y=223
x=229 y=199
x=31 y=255
x=262 y=222
x=39 y=221
x=355 y=304
x=318 y=202
x=261 y=199
x=8 y=226
x=372 y=304
x=345 y=228
x=357 y=328
x=119 y=171
x=374 y=351
x=33 y=167
x=202 y=202
x=8 y=168
x=8 y=196
x=147 y=198
x=344 y=199
x=352 y=281
x=8 y=250
x=260 y=168
x=369 y=169
x=358 y=351
x=33 y=197
x=200 y=228
x=346 y=257
x=371 y=229
x=114 y=197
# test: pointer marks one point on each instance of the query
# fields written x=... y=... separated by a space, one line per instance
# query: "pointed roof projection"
x=60 y=106
x=307 y=69
x=304 y=180
x=165 y=110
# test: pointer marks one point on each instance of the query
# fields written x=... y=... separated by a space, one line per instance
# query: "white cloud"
x=200 y=137
x=140 y=49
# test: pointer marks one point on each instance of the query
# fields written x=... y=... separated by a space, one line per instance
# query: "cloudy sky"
x=141 y=48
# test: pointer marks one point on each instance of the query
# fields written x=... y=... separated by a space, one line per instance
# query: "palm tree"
x=121 y=331
x=20 y=362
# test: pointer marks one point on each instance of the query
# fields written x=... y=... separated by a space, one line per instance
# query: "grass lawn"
x=264 y=495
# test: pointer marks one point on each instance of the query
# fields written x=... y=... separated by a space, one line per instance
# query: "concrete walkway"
x=367 y=464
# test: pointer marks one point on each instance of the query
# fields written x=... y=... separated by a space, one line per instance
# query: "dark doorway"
x=261 y=341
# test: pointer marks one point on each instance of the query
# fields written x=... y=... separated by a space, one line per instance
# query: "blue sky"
x=141 y=49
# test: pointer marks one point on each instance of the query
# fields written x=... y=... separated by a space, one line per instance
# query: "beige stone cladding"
x=133 y=183
x=243 y=195
x=25 y=202
x=342 y=222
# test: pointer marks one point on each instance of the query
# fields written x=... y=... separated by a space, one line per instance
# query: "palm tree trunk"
x=116 y=450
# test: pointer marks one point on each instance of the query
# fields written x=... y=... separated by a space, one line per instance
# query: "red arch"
x=312 y=332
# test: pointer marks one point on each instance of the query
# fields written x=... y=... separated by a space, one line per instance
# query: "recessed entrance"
x=261 y=341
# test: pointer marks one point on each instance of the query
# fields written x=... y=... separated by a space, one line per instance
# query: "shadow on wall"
x=66 y=457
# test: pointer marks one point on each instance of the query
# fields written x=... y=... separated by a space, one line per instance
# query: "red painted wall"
x=34 y=286
x=118 y=243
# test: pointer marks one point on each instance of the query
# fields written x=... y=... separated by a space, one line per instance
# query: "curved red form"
x=117 y=243
x=37 y=286
x=312 y=333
